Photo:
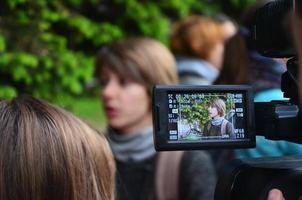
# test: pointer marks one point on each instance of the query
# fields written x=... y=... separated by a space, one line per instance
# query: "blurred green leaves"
x=2 y=44
x=48 y=47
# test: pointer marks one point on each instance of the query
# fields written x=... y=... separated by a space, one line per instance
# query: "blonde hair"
x=47 y=153
x=196 y=36
x=219 y=105
x=144 y=60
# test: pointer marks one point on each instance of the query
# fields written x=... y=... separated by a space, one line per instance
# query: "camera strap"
x=223 y=126
x=167 y=175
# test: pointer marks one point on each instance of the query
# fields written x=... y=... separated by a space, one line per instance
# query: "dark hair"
x=299 y=7
x=235 y=63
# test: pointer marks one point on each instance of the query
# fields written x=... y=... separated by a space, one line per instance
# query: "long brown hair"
x=47 y=153
x=235 y=67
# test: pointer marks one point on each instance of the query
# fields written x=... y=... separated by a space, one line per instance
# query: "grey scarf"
x=132 y=147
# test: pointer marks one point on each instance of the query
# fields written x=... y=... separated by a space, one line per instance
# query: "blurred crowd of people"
x=47 y=153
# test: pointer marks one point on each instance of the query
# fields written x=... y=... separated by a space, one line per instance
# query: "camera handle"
x=289 y=81
x=278 y=120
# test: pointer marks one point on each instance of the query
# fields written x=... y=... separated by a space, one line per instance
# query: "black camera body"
x=271 y=36
x=182 y=122
x=277 y=120
x=252 y=179
x=270 y=29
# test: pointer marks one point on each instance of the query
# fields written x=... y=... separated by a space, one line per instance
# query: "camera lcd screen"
x=190 y=117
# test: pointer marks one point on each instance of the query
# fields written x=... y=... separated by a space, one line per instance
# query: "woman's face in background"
x=126 y=103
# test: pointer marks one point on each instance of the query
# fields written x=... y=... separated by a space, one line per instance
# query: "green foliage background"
x=47 y=47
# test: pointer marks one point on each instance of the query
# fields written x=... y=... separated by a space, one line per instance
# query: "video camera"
x=182 y=111
x=271 y=37
x=182 y=116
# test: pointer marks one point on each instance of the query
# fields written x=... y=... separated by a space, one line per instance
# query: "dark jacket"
x=211 y=130
x=197 y=180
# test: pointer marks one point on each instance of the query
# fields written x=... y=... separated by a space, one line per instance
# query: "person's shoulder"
x=198 y=164
x=228 y=123
x=208 y=125
x=209 y=122
x=197 y=176
x=189 y=79
x=196 y=157
x=269 y=95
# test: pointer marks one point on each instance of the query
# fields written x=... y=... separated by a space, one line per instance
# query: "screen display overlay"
x=207 y=116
